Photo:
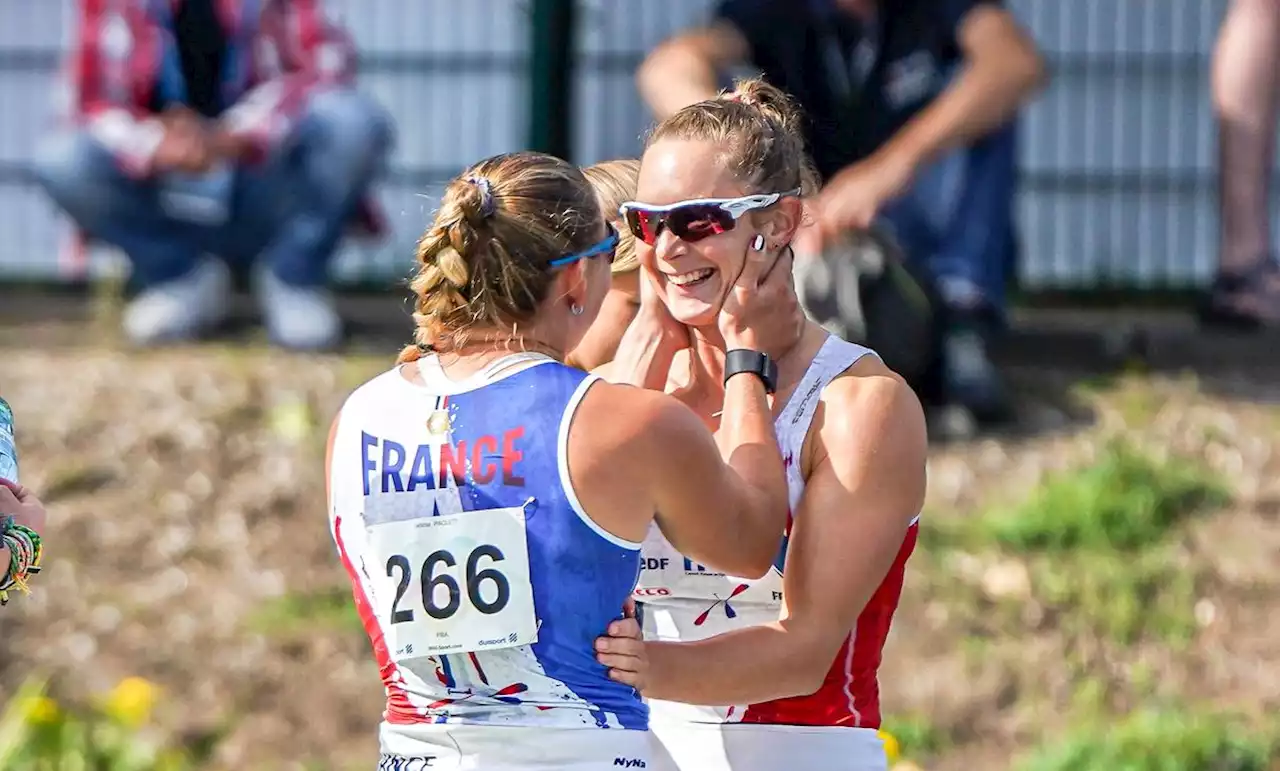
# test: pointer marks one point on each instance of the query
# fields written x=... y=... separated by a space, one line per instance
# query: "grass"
x=1118 y=597
x=1103 y=550
x=1126 y=501
x=917 y=738
x=1100 y=544
x=329 y=609
x=1160 y=740
x=115 y=733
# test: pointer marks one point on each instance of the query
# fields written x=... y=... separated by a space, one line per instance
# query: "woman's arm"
x=636 y=452
x=722 y=500
x=857 y=506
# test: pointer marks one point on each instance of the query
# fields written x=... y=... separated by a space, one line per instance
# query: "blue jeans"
x=957 y=221
x=289 y=212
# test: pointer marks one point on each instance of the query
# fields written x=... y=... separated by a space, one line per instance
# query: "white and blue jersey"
x=480 y=580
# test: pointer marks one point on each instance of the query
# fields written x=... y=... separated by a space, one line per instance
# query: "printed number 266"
x=430 y=580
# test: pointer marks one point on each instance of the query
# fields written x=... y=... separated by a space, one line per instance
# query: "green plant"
x=1119 y=597
x=914 y=736
x=39 y=734
x=331 y=609
x=1127 y=500
x=1097 y=543
x=1159 y=741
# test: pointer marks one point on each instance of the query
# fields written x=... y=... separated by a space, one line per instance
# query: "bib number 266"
x=433 y=581
x=457 y=583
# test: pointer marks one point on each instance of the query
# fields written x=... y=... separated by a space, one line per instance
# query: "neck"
x=483 y=348
x=787 y=352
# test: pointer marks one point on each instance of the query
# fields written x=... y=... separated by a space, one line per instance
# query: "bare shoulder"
x=870 y=416
x=624 y=446
x=626 y=417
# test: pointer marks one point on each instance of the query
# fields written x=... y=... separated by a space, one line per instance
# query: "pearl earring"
x=758 y=243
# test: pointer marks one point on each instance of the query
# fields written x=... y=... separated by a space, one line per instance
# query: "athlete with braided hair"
x=488 y=501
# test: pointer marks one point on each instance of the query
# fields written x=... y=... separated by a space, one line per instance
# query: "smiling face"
x=693 y=277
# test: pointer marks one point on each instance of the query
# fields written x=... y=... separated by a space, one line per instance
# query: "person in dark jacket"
x=912 y=107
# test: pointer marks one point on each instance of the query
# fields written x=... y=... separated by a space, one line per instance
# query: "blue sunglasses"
x=608 y=246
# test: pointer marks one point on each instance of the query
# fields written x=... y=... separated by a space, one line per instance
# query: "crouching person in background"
x=210 y=129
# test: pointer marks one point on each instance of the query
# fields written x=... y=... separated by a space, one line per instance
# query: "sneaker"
x=298 y=317
x=182 y=309
x=970 y=378
x=1246 y=300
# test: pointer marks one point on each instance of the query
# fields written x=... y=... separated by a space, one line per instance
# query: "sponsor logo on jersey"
x=721 y=602
x=692 y=568
x=652 y=591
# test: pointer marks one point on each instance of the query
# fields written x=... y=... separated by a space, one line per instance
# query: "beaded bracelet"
x=25 y=552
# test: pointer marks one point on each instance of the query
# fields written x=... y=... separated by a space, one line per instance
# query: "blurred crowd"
x=215 y=136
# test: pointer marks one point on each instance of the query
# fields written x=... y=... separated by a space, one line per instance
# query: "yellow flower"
x=891 y=749
x=40 y=710
x=132 y=700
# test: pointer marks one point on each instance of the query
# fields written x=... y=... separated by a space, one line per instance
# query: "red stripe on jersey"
x=399 y=709
x=850 y=693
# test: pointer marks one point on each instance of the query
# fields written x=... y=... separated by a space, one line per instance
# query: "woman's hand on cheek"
x=761 y=306
x=653 y=311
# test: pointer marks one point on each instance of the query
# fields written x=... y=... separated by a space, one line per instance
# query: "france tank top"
x=480 y=580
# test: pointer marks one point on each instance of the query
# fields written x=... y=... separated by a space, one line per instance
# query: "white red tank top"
x=685 y=601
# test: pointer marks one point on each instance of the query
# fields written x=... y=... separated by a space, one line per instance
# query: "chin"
x=701 y=316
x=692 y=312
x=699 y=308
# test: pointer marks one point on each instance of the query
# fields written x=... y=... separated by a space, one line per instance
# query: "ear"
x=783 y=221
x=573 y=284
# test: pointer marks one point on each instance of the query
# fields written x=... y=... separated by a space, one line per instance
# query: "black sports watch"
x=741 y=360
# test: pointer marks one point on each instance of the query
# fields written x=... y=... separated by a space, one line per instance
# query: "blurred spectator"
x=218 y=127
x=911 y=106
x=1246 y=75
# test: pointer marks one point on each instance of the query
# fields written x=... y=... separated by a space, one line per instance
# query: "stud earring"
x=758 y=243
x=576 y=309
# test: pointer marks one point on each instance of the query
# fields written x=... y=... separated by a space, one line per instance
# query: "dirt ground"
x=189 y=545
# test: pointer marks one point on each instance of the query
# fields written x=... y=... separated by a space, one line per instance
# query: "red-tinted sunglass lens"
x=688 y=223
x=644 y=225
x=699 y=221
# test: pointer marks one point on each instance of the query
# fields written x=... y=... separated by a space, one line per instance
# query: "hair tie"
x=487 y=205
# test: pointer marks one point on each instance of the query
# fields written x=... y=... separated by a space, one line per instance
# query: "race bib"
x=458 y=583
